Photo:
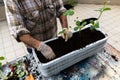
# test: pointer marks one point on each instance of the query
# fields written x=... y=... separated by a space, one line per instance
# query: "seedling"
x=68 y=13
x=95 y=24
x=104 y=8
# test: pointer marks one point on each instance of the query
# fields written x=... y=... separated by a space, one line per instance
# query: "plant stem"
x=105 y=2
x=100 y=15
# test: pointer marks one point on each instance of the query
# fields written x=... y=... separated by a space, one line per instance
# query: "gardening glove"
x=46 y=51
x=67 y=34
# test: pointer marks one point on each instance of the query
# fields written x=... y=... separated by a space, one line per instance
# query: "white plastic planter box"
x=55 y=66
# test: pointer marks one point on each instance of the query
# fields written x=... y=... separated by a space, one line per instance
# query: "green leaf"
x=19 y=62
x=78 y=23
x=103 y=9
x=21 y=74
x=96 y=24
x=18 y=71
x=0 y=64
x=106 y=9
x=84 y=23
x=76 y=28
x=91 y=21
x=68 y=12
x=61 y=32
x=2 y=58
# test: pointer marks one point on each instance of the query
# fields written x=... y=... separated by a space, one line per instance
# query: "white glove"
x=67 y=34
x=46 y=51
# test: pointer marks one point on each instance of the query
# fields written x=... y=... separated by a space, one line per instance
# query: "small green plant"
x=16 y=71
x=72 y=2
x=68 y=13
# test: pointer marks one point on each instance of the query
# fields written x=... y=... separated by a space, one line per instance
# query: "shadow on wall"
x=1 y=3
x=2 y=13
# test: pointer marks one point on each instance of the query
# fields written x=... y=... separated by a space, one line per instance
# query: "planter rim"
x=80 y=49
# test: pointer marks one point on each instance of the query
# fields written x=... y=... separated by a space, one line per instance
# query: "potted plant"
x=22 y=68
x=12 y=71
x=16 y=69
x=84 y=43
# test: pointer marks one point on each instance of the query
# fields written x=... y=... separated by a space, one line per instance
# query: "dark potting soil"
x=79 y=40
x=13 y=78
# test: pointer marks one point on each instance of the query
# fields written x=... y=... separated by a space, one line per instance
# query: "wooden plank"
x=112 y=51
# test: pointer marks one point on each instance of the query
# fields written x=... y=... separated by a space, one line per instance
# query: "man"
x=34 y=21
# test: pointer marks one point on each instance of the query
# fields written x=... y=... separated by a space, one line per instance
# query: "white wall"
x=113 y=2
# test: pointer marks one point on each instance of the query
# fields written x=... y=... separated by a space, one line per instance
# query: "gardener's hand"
x=46 y=51
x=67 y=34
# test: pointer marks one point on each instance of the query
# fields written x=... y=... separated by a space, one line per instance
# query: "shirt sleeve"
x=15 y=19
x=60 y=8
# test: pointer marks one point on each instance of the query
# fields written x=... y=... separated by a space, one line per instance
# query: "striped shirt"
x=34 y=17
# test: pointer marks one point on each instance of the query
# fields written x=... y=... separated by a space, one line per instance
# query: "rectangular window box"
x=82 y=45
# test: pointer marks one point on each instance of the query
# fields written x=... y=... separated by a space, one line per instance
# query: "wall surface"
x=113 y=2
x=65 y=1
x=2 y=13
